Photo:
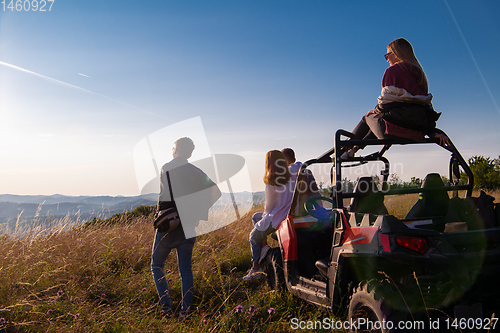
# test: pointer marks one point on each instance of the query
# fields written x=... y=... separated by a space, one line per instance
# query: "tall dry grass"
x=44 y=224
x=97 y=279
x=400 y=205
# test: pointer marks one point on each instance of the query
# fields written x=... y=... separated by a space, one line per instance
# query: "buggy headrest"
x=368 y=198
x=432 y=180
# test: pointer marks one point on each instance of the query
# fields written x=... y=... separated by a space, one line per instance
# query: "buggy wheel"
x=370 y=309
x=274 y=270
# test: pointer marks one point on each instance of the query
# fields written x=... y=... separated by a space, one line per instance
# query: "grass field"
x=98 y=279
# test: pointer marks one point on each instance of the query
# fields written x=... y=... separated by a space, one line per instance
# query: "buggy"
x=433 y=270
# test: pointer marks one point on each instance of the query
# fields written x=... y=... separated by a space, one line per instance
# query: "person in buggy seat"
x=278 y=198
x=404 y=108
x=306 y=183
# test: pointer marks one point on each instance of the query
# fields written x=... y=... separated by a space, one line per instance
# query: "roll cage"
x=345 y=140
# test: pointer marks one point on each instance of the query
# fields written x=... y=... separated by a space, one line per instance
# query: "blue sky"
x=82 y=84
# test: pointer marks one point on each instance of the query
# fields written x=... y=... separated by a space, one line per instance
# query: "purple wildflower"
x=2 y=321
x=103 y=295
x=49 y=312
x=204 y=321
x=144 y=290
x=76 y=316
x=169 y=271
x=60 y=292
x=239 y=309
x=251 y=308
x=271 y=311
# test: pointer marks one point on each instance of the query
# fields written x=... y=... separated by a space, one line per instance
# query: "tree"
x=394 y=181
x=347 y=185
x=415 y=182
x=486 y=172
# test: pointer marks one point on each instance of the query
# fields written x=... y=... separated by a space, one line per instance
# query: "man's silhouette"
x=194 y=193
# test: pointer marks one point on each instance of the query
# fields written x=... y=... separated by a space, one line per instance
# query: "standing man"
x=185 y=180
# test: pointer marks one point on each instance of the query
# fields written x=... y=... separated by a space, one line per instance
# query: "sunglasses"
x=386 y=56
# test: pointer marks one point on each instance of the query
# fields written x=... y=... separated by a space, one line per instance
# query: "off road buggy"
x=437 y=267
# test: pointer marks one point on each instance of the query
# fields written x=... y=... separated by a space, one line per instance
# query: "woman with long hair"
x=404 y=108
x=279 y=192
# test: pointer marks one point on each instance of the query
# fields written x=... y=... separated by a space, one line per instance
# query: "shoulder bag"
x=166 y=218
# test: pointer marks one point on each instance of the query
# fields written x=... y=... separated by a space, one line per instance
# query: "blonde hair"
x=276 y=173
x=404 y=51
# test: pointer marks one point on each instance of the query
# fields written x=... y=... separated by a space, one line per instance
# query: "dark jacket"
x=194 y=193
x=417 y=117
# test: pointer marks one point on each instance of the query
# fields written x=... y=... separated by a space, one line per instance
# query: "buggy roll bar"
x=340 y=146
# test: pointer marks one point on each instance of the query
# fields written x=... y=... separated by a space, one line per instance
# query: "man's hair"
x=184 y=146
x=289 y=154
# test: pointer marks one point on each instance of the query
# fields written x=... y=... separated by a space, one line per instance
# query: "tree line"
x=486 y=172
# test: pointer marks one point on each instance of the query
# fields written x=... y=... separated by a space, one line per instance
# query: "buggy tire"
x=370 y=302
x=274 y=270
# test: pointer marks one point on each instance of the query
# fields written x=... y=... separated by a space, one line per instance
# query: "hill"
x=96 y=278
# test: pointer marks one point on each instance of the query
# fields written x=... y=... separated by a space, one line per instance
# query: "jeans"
x=256 y=238
x=161 y=250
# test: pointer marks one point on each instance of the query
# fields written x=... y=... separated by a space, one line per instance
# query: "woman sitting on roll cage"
x=404 y=108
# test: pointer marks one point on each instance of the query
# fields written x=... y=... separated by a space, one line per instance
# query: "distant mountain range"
x=60 y=205
x=58 y=198
x=20 y=212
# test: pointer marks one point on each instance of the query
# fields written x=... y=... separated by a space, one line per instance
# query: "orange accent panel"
x=351 y=234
